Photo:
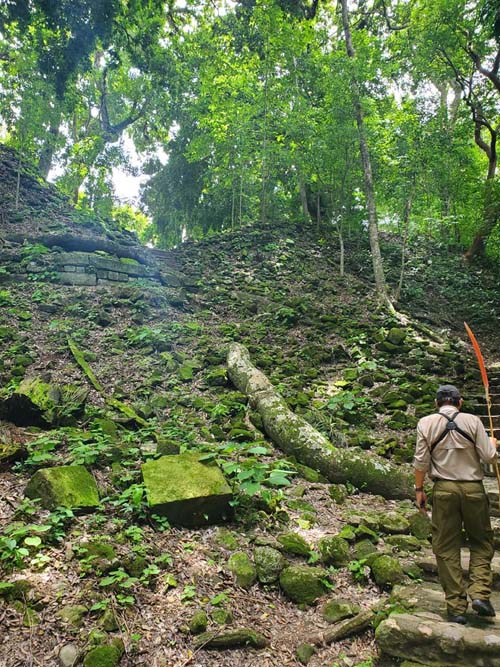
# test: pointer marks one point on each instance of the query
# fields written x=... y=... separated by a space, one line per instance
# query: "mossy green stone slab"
x=187 y=492
x=66 y=486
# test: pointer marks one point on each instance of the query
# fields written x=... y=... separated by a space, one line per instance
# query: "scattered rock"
x=386 y=571
x=338 y=493
x=243 y=569
x=10 y=452
x=72 y=614
x=269 y=563
x=198 y=622
x=304 y=653
x=393 y=523
x=303 y=584
x=222 y=616
x=37 y=403
x=334 y=550
x=68 y=655
x=108 y=621
x=104 y=656
x=295 y=544
x=64 y=486
x=420 y=525
x=404 y=542
x=336 y=610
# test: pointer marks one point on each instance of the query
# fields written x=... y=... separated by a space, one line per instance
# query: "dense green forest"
x=209 y=388
x=352 y=114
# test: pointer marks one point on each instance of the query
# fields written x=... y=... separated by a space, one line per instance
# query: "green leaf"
x=32 y=541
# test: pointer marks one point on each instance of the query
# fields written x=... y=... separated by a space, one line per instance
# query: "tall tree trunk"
x=378 y=269
x=303 y=197
x=48 y=149
x=406 y=228
x=491 y=217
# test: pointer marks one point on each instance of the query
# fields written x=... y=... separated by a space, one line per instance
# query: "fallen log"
x=346 y=628
x=297 y=438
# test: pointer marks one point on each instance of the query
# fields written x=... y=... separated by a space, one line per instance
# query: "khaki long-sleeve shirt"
x=454 y=458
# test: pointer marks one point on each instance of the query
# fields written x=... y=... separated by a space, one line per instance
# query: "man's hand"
x=494 y=442
x=421 y=499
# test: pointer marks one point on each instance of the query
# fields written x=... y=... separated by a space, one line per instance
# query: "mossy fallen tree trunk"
x=126 y=410
x=296 y=437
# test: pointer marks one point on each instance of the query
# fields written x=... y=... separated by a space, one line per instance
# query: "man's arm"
x=421 y=464
x=486 y=446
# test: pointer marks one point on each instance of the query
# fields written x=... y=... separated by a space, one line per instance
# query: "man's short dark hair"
x=448 y=393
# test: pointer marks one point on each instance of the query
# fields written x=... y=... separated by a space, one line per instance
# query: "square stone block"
x=65 y=486
x=186 y=491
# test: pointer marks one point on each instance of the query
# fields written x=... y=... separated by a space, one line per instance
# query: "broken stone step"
x=491 y=486
x=427 y=563
x=423 y=634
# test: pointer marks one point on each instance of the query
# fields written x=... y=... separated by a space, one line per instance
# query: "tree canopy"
x=384 y=114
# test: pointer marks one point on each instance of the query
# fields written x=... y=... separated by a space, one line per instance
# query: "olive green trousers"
x=457 y=506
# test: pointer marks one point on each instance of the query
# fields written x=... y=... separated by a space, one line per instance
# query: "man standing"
x=450 y=447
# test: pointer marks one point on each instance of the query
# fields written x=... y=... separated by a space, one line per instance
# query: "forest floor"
x=326 y=346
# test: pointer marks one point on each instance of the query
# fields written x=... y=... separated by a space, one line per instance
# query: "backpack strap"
x=451 y=426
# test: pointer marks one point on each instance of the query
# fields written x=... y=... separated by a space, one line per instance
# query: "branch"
x=393 y=28
x=491 y=74
x=108 y=128
x=310 y=12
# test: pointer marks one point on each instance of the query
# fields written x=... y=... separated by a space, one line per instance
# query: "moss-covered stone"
x=64 y=486
x=295 y=544
x=386 y=571
x=404 y=542
x=365 y=533
x=393 y=523
x=109 y=621
x=226 y=539
x=334 y=550
x=198 y=622
x=269 y=563
x=186 y=491
x=336 y=610
x=244 y=571
x=363 y=549
x=37 y=403
x=72 y=614
x=420 y=525
x=10 y=452
x=135 y=565
x=222 y=616
x=167 y=446
x=217 y=377
x=30 y=617
x=338 y=493
x=103 y=656
x=99 y=553
x=348 y=533
x=304 y=653
x=303 y=584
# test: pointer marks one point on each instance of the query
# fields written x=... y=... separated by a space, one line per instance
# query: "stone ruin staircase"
x=422 y=637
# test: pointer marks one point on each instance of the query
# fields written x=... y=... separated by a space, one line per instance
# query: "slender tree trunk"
x=47 y=152
x=491 y=217
x=378 y=269
x=18 y=182
x=240 y=210
x=263 y=194
x=303 y=197
x=406 y=228
x=233 y=206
